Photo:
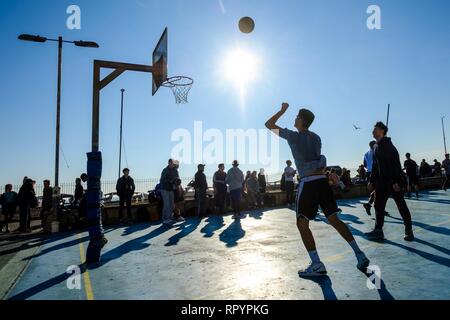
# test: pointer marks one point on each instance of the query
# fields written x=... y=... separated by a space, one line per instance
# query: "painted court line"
x=87 y=278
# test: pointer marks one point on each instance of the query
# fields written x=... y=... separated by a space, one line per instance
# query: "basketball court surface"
x=256 y=258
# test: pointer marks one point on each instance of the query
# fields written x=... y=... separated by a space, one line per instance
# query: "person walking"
x=8 y=201
x=125 y=190
x=368 y=163
x=167 y=181
x=314 y=190
x=220 y=188
x=235 y=181
x=387 y=180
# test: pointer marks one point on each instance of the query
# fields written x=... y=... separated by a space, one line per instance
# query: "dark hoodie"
x=386 y=169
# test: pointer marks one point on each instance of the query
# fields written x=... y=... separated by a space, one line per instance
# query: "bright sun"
x=241 y=67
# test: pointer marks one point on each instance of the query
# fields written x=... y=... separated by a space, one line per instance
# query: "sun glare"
x=241 y=67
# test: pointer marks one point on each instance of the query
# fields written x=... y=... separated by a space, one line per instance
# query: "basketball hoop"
x=180 y=87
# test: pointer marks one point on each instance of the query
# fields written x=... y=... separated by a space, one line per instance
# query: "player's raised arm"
x=271 y=124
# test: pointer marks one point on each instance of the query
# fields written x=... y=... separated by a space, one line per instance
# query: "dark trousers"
x=25 y=217
x=446 y=182
x=220 y=198
x=382 y=194
x=289 y=185
x=125 y=199
x=201 y=203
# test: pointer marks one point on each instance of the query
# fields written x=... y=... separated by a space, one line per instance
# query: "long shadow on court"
x=232 y=234
x=325 y=285
x=256 y=214
x=436 y=229
x=214 y=223
x=382 y=291
x=187 y=227
x=28 y=293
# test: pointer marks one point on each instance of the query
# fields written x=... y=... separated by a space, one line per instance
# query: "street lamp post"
x=443 y=133
x=121 y=119
x=80 y=43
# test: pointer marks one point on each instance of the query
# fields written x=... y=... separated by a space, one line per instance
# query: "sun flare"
x=241 y=67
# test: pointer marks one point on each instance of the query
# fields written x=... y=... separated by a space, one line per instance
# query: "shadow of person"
x=429 y=256
x=382 y=291
x=325 y=285
x=436 y=229
x=185 y=228
x=232 y=234
x=138 y=227
x=214 y=223
x=256 y=214
x=30 y=292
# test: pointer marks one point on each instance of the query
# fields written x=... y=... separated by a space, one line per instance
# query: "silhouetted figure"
x=262 y=181
x=125 y=190
x=235 y=181
x=47 y=199
x=26 y=200
x=8 y=201
x=220 y=188
x=201 y=186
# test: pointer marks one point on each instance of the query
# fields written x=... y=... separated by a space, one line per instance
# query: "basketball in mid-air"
x=246 y=24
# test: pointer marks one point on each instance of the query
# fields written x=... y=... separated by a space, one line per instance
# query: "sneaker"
x=180 y=219
x=386 y=214
x=375 y=235
x=313 y=270
x=168 y=223
x=409 y=236
x=367 y=207
x=363 y=261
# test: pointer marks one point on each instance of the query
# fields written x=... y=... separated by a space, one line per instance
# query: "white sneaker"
x=313 y=270
x=363 y=261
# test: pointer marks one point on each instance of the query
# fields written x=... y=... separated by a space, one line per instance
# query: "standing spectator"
x=410 y=167
x=178 y=199
x=235 y=181
x=446 y=166
x=289 y=175
x=253 y=191
x=425 y=169
x=262 y=181
x=361 y=174
x=125 y=190
x=47 y=199
x=220 y=188
x=79 y=192
x=26 y=200
x=201 y=187
x=8 y=201
x=168 y=177
x=437 y=168
x=346 y=178
x=247 y=176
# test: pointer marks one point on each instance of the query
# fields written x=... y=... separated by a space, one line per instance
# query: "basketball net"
x=180 y=87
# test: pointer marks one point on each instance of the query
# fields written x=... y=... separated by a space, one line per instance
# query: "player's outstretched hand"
x=284 y=106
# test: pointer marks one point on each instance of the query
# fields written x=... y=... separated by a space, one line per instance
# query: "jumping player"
x=314 y=189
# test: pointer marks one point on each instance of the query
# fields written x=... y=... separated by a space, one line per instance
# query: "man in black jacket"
x=387 y=180
x=125 y=190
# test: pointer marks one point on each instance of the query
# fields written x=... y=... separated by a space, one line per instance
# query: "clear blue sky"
x=318 y=54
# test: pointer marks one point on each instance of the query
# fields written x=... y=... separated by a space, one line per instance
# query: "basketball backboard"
x=159 y=73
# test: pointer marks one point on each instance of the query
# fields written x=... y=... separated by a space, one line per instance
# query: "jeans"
x=290 y=192
x=25 y=217
x=168 y=205
x=220 y=198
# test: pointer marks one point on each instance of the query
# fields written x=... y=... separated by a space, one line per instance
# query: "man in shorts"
x=313 y=190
